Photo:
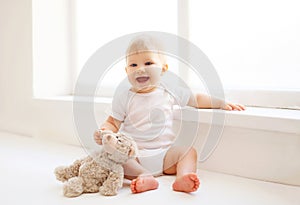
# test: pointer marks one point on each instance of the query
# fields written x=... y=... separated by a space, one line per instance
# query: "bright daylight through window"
x=254 y=46
x=100 y=22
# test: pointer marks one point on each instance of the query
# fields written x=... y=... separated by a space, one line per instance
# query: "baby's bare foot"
x=187 y=183
x=143 y=183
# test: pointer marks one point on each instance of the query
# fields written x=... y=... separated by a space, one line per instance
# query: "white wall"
x=19 y=113
x=15 y=66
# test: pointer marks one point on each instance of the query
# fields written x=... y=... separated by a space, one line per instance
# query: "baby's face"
x=144 y=71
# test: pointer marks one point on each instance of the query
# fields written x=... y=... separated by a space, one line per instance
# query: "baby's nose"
x=141 y=70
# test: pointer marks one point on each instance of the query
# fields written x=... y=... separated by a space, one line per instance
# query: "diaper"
x=153 y=160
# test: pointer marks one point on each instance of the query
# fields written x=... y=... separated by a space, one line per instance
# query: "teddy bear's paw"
x=73 y=188
x=61 y=173
x=107 y=192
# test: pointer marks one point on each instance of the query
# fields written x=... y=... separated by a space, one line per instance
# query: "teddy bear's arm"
x=63 y=173
x=113 y=183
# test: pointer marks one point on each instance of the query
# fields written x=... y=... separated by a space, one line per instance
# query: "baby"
x=144 y=111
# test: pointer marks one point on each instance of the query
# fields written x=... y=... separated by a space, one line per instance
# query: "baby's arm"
x=111 y=124
x=200 y=100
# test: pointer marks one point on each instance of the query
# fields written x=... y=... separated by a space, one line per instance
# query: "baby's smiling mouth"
x=142 y=79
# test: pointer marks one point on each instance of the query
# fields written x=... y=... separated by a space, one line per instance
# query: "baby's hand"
x=233 y=106
x=98 y=135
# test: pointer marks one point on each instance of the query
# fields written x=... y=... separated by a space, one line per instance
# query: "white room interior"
x=256 y=160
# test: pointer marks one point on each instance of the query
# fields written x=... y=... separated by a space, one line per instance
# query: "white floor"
x=26 y=176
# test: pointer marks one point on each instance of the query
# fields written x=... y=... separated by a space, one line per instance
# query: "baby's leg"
x=142 y=180
x=182 y=162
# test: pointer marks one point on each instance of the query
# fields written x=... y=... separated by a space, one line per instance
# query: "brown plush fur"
x=102 y=172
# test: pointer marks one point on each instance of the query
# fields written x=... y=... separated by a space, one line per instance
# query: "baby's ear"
x=165 y=68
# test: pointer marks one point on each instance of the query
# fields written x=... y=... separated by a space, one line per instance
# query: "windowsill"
x=268 y=119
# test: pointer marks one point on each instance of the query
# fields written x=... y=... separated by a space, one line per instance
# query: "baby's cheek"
x=155 y=78
x=130 y=71
x=131 y=79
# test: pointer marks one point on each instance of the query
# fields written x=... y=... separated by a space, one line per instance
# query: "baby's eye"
x=133 y=65
x=148 y=63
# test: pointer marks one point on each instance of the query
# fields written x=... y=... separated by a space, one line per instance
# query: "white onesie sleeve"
x=180 y=94
x=119 y=104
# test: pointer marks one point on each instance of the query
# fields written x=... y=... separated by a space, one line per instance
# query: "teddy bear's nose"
x=108 y=137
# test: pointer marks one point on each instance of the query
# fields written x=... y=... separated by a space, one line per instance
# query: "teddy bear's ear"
x=133 y=150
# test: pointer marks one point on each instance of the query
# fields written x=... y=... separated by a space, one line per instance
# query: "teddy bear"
x=101 y=171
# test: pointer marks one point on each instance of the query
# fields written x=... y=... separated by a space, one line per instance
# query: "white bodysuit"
x=148 y=118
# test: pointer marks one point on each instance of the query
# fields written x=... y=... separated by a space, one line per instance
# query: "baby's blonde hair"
x=146 y=43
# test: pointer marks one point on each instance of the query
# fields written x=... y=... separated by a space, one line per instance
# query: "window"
x=52 y=48
x=254 y=46
x=100 y=22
